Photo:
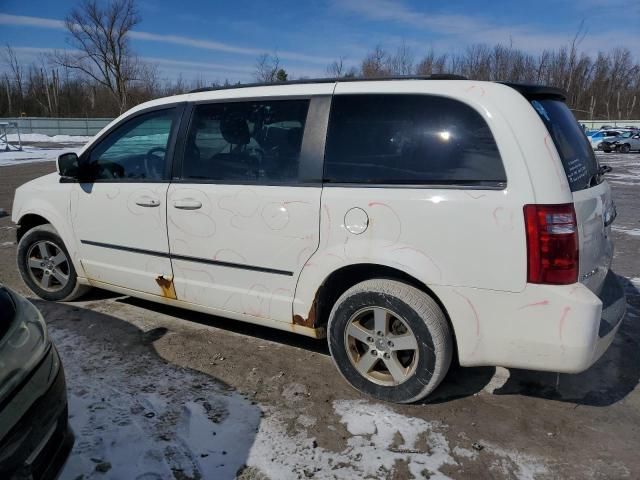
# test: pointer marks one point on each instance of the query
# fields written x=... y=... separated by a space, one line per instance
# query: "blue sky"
x=222 y=39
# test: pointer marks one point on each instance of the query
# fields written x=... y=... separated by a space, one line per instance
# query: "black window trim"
x=311 y=150
x=175 y=127
x=426 y=185
x=498 y=186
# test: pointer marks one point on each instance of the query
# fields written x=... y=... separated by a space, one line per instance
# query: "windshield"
x=578 y=159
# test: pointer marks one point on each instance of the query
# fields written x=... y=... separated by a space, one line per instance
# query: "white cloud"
x=38 y=22
x=455 y=31
x=6 y=19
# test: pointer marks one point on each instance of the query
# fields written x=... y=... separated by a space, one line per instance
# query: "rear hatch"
x=591 y=194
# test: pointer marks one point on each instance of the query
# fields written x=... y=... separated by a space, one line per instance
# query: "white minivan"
x=407 y=220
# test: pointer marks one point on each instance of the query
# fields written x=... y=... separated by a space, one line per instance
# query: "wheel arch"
x=29 y=221
x=341 y=279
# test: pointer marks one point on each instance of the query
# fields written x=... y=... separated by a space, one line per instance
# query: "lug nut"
x=379 y=333
x=390 y=343
x=370 y=339
x=387 y=356
x=373 y=352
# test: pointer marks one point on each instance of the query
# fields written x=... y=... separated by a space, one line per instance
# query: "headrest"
x=234 y=129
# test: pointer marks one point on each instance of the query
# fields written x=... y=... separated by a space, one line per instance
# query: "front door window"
x=135 y=151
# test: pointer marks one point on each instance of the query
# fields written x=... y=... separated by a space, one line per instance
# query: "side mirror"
x=68 y=165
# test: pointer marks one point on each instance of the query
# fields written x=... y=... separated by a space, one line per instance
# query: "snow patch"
x=500 y=377
x=629 y=231
x=32 y=155
x=380 y=438
x=42 y=138
x=514 y=464
x=372 y=451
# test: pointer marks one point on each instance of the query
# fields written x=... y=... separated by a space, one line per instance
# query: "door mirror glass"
x=67 y=165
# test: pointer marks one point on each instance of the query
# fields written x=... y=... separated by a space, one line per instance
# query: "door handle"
x=146 y=201
x=187 y=204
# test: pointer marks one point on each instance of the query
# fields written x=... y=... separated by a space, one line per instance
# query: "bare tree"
x=376 y=63
x=336 y=68
x=267 y=67
x=431 y=64
x=401 y=63
x=101 y=36
x=15 y=68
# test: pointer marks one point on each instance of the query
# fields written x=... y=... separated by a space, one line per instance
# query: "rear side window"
x=245 y=142
x=578 y=159
x=410 y=139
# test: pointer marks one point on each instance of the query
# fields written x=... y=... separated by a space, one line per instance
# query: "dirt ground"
x=297 y=418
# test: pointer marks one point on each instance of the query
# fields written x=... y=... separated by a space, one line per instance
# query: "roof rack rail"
x=435 y=76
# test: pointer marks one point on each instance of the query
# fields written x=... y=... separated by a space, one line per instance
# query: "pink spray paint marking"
x=393 y=212
x=475 y=196
x=563 y=317
x=535 y=304
x=477 y=89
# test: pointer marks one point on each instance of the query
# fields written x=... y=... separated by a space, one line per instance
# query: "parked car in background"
x=610 y=144
x=407 y=220
x=625 y=143
x=600 y=136
x=35 y=438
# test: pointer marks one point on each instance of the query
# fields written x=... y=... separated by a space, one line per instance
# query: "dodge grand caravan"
x=407 y=220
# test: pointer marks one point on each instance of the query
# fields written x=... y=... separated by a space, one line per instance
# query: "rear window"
x=579 y=161
x=411 y=140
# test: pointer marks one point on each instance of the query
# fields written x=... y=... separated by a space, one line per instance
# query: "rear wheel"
x=46 y=267
x=390 y=340
x=626 y=148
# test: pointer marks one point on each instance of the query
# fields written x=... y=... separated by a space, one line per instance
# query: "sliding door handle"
x=187 y=204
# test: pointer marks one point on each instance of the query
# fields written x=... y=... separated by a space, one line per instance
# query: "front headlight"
x=23 y=345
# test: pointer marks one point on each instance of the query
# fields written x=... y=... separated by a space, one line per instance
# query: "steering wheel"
x=154 y=164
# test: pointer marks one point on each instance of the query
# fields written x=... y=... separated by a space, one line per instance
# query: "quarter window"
x=245 y=142
x=135 y=151
x=410 y=139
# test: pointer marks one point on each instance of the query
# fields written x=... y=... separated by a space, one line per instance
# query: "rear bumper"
x=549 y=328
x=40 y=440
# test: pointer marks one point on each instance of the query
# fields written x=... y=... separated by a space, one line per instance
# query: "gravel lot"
x=158 y=392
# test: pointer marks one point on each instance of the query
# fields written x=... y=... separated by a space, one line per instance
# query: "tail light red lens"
x=552 y=244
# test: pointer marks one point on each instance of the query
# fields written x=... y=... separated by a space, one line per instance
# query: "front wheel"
x=624 y=148
x=46 y=267
x=390 y=340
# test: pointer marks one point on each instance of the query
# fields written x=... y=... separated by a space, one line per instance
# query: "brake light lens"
x=552 y=244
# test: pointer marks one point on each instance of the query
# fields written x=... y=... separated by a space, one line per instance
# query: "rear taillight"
x=552 y=244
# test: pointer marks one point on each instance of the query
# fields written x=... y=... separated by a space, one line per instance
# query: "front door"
x=243 y=212
x=119 y=216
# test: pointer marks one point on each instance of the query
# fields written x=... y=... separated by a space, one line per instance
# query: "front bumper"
x=564 y=328
x=35 y=438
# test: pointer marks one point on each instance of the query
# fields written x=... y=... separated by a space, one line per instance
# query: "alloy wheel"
x=48 y=266
x=381 y=346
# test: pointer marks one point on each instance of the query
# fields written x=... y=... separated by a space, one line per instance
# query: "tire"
x=30 y=253
x=626 y=148
x=405 y=311
x=607 y=150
